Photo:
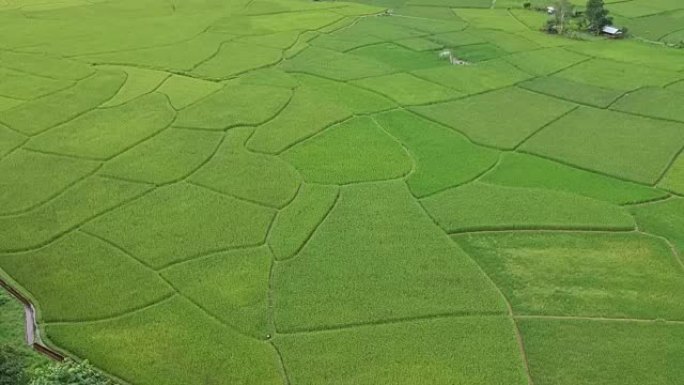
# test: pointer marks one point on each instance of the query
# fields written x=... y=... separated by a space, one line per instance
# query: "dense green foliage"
x=423 y=192
x=12 y=366
x=69 y=373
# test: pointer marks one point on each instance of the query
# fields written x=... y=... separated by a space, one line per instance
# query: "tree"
x=69 y=373
x=12 y=366
x=597 y=15
x=562 y=15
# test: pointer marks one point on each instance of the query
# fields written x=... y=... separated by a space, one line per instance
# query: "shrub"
x=12 y=366
x=69 y=373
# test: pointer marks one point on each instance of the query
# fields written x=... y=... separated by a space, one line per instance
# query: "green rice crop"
x=295 y=223
x=614 y=143
x=407 y=89
x=237 y=172
x=204 y=220
x=522 y=170
x=527 y=112
x=566 y=352
x=480 y=207
x=576 y=274
x=339 y=155
x=653 y=102
x=43 y=113
x=435 y=352
x=231 y=285
x=360 y=261
x=80 y=277
x=438 y=152
x=31 y=178
x=99 y=134
x=173 y=328
x=169 y=156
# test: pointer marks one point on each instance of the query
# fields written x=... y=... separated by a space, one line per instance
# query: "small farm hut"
x=611 y=31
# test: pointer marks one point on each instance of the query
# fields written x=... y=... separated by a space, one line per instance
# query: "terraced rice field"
x=303 y=193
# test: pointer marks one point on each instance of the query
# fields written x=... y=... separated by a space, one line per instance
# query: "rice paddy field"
x=291 y=192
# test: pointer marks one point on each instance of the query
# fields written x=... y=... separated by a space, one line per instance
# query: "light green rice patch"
x=633 y=51
x=658 y=27
x=567 y=352
x=532 y=19
x=576 y=274
x=137 y=347
x=479 y=206
x=235 y=58
x=168 y=157
x=335 y=65
x=474 y=53
x=389 y=29
x=235 y=105
x=279 y=40
x=522 y=170
x=106 y=132
x=427 y=12
x=182 y=221
x=572 y=91
x=547 y=40
x=674 y=178
x=76 y=205
x=458 y=39
x=356 y=150
x=453 y=3
x=345 y=39
x=399 y=58
x=614 y=143
x=297 y=221
x=640 y=8
x=475 y=78
x=60 y=277
x=408 y=353
x=664 y=219
x=377 y=257
x=7 y=103
x=9 y=140
x=44 y=65
x=617 y=75
x=419 y=44
x=184 y=90
x=428 y=25
x=479 y=117
x=653 y=102
x=40 y=114
x=407 y=89
x=678 y=86
x=232 y=286
x=439 y=152
x=497 y=19
x=138 y=83
x=255 y=177
x=507 y=41
x=546 y=61
x=294 y=21
x=180 y=56
x=270 y=77
x=20 y=85
x=308 y=113
x=28 y=178
x=358 y=100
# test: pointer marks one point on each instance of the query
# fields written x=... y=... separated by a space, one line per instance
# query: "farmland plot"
x=304 y=193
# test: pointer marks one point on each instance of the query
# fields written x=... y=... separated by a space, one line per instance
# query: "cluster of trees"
x=14 y=370
x=566 y=18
